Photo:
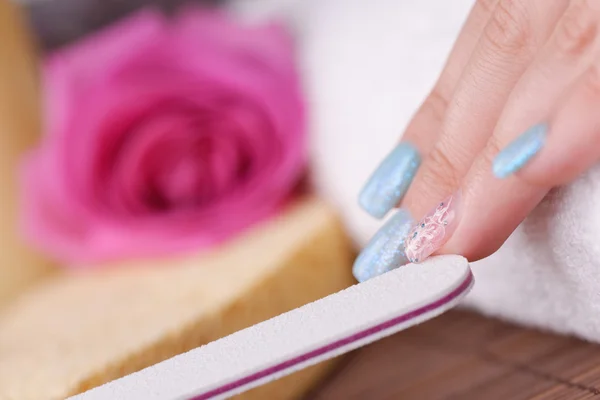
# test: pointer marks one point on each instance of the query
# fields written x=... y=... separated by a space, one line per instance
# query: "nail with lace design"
x=433 y=231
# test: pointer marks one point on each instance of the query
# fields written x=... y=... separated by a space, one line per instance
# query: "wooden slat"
x=464 y=356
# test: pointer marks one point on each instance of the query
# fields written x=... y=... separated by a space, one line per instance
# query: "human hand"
x=514 y=113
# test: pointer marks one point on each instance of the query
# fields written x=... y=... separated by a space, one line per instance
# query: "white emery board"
x=302 y=337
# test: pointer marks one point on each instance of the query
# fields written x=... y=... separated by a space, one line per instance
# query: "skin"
x=515 y=64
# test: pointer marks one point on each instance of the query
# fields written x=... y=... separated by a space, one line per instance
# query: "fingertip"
x=474 y=248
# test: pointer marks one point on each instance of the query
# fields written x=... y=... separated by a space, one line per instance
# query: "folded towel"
x=369 y=65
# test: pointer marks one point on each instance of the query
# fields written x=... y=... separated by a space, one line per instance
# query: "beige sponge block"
x=19 y=129
x=78 y=331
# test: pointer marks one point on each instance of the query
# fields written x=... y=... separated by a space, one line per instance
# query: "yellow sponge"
x=76 y=332
x=19 y=128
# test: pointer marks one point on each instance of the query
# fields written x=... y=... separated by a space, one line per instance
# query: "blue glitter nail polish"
x=520 y=151
x=385 y=251
x=390 y=181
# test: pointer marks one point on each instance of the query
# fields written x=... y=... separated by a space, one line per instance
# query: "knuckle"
x=441 y=170
x=487 y=6
x=509 y=28
x=435 y=105
x=577 y=30
x=592 y=80
x=491 y=150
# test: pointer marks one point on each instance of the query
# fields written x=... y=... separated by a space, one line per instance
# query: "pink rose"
x=163 y=136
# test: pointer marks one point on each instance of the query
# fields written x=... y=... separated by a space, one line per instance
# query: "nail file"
x=299 y=338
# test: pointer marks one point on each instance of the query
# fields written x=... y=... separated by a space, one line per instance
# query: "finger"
x=391 y=180
x=569 y=51
x=511 y=39
x=567 y=141
x=573 y=143
x=425 y=124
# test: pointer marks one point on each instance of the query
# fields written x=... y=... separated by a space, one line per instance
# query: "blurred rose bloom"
x=163 y=136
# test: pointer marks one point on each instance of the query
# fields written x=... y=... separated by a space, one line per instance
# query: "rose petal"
x=96 y=55
x=126 y=181
x=268 y=44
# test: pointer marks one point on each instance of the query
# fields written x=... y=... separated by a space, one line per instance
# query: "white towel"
x=368 y=66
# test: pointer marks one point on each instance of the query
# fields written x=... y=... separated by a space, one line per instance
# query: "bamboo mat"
x=464 y=356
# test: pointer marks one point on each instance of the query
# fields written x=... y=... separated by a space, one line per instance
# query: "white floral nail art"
x=431 y=232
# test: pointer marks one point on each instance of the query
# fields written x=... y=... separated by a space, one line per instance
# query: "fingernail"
x=520 y=151
x=390 y=181
x=430 y=234
x=385 y=251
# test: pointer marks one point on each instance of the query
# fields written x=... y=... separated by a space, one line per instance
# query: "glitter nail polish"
x=390 y=181
x=385 y=251
x=520 y=151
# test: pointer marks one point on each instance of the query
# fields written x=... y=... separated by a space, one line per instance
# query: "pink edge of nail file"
x=302 y=337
